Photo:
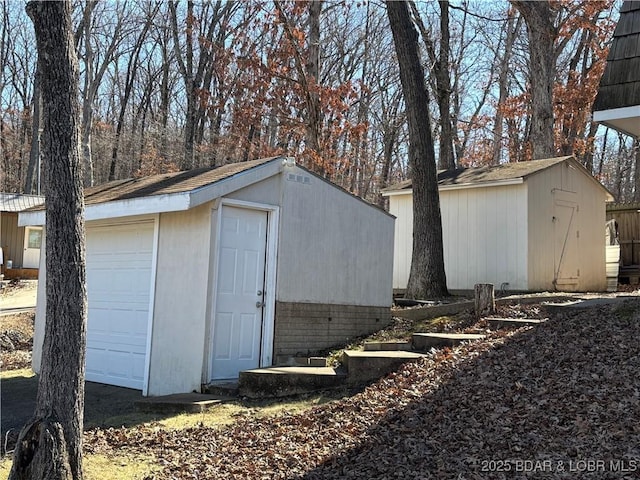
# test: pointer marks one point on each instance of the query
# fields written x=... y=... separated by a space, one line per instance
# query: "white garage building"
x=195 y=276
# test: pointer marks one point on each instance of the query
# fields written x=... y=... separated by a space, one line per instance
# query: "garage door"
x=119 y=261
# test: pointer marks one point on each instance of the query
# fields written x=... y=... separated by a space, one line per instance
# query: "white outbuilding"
x=195 y=276
x=529 y=226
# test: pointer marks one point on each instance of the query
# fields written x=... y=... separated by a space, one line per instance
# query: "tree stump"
x=485 y=302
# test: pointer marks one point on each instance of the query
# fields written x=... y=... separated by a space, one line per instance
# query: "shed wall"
x=267 y=191
x=181 y=298
x=401 y=206
x=565 y=182
x=484 y=234
x=12 y=239
x=333 y=248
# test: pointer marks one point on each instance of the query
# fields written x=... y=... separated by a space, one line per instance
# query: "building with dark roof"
x=20 y=246
x=617 y=104
x=195 y=276
x=528 y=226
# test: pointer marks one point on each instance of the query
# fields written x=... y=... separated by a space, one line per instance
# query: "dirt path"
x=18 y=297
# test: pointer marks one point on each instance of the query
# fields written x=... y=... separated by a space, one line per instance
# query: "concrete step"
x=180 y=403
x=427 y=341
x=363 y=367
x=498 y=323
x=287 y=381
x=224 y=389
x=391 y=345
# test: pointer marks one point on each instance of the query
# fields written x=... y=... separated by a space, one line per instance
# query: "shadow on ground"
x=558 y=401
x=105 y=406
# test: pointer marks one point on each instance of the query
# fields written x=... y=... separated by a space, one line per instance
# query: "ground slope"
x=560 y=400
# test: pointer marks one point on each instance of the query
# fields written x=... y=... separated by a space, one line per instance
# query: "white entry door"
x=32 y=242
x=238 y=317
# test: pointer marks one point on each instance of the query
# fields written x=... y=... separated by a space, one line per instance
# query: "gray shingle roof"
x=166 y=183
x=479 y=175
x=620 y=83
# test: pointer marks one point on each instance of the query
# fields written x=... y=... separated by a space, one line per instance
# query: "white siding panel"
x=178 y=341
x=484 y=236
x=401 y=206
x=333 y=248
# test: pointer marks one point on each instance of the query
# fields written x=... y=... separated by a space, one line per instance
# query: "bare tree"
x=50 y=445
x=512 y=26
x=132 y=69
x=441 y=80
x=308 y=73
x=96 y=61
x=427 y=276
x=33 y=169
x=194 y=59
x=542 y=33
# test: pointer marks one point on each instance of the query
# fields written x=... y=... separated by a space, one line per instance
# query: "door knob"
x=259 y=304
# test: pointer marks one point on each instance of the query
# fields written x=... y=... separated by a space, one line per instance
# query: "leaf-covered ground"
x=561 y=400
x=16 y=340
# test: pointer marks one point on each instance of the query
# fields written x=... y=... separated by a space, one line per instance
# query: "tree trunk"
x=33 y=169
x=308 y=77
x=484 y=299
x=87 y=100
x=542 y=33
x=446 y=160
x=636 y=171
x=50 y=446
x=427 y=276
x=512 y=27
x=314 y=114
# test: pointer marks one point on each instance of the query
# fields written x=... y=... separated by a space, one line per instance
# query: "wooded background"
x=177 y=85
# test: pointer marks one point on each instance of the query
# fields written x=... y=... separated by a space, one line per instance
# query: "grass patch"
x=19 y=373
x=102 y=467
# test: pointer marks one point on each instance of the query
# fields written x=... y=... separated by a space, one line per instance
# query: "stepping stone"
x=287 y=381
x=498 y=323
x=364 y=367
x=427 y=341
x=394 y=345
x=179 y=403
